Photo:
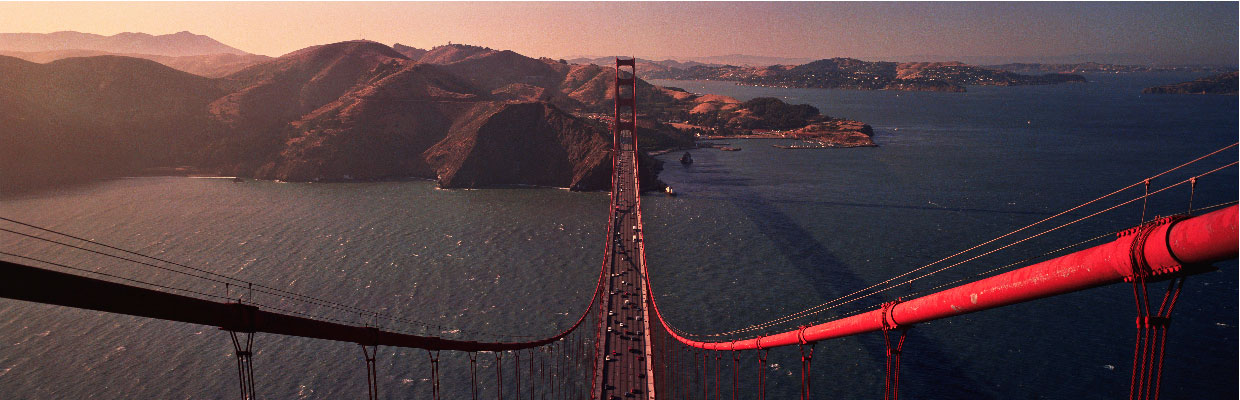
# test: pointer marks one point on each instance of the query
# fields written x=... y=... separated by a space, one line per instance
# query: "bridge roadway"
x=626 y=368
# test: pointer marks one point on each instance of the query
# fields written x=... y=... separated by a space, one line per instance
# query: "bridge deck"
x=626 y=345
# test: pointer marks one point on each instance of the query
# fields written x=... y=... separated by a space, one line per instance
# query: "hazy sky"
x=1165 y=31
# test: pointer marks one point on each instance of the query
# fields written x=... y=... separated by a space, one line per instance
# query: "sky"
x=1163 y=32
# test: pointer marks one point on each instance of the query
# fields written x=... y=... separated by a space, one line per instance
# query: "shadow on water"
x=816 y=263
x=758 y=202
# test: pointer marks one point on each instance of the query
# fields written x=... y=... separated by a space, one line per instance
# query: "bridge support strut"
x=372 y=386
x=245 y=368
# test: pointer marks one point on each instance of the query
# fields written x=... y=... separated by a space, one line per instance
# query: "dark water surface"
x=754 y=235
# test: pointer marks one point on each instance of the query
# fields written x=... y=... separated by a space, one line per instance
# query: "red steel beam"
x=1168 y=246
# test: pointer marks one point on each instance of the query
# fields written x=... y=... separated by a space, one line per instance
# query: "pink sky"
x=1204 y=32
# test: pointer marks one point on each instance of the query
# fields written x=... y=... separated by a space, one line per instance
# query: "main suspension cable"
x=829 y=305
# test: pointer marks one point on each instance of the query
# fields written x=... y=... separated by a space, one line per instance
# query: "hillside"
x=348 y=111
x=173 y=45
x=1087 y=67
x=451 y=53
x=848 y=73
x=82 y=118
x=413 y=53
x=208 y=65
x=1224 y=83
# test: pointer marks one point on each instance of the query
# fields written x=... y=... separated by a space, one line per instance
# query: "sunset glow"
x=1172 y=32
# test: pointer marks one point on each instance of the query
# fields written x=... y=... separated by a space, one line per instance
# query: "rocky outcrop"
x=1225 y=83
x=836 y=133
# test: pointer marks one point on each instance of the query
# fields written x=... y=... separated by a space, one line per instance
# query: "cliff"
x=1224 y=83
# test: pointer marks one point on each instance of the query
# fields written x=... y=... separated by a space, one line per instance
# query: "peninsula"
x=464 y=116
x=850 y=73
x=1224 y=83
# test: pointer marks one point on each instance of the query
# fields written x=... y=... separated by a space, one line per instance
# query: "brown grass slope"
x=208 y=65
x=81 y=118
x=522 y=143
x=176 y=44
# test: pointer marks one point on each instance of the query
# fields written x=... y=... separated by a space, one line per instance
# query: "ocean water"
x=754 y=235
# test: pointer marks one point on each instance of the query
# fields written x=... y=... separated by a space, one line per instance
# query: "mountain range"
x=173 y=45
x=743 y=60
x=1224 y=84
x=465 y=116
x=851 y=73
x=196 y=54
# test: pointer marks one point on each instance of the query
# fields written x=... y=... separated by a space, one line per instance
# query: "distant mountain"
x=83 y=118
x=1086 y=67
x=644 y=67
x=611 y=61
x=208 y=65
x=1224 y=83
x=451 y=53
x=351 y=110
x=748 y=60
x=175 y=45
x=851 y=73
x=413 y=53
x=1106 y=58
x=714 y=61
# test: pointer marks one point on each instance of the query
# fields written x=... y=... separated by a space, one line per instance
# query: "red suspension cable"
x=806 y=358
x=762 y=374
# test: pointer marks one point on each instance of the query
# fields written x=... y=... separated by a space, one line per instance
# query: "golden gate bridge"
x=621 y=346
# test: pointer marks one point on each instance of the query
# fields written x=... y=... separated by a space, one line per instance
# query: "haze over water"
x=754 y=235
x=975 y=32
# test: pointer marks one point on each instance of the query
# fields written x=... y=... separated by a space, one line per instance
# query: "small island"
x=1224 y=83
x=722 y=117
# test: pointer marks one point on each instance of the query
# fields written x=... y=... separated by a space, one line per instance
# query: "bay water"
x=754 y=235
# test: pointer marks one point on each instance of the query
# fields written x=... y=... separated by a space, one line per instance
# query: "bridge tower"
x=627 y=365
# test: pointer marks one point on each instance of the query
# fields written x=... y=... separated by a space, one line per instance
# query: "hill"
x=413 y=53
x=361 y=110
x=1086 y=67
x=1224 y=83
x=174 y=45
x=208 y=65
x=82 y=118
x=849 y=73
x=347 y=111
x=451 y=53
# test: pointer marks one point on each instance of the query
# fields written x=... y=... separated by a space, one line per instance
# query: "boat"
x=686 y=159
x=730 y=148
x=669 y=191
